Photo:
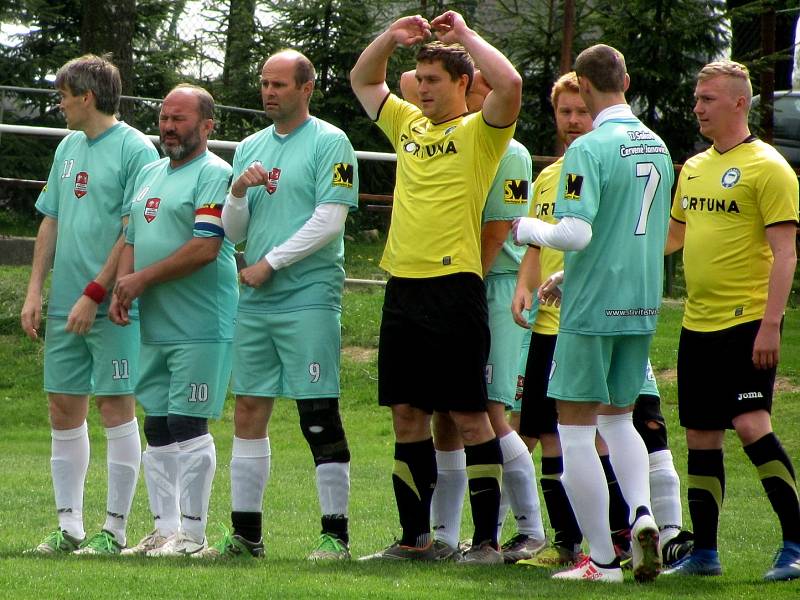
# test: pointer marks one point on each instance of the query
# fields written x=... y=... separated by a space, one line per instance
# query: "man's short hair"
x=729 y=68
x=568 y=82
x=205 y=101
x=96 y=74
x=604 y=66
x=454 y=58
x=304 y=69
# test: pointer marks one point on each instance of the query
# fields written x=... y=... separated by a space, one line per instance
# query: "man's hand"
x=549 y=292
x=767 y=347
x=31 y=316
x=82 y=315
x=521 y=301
x=408 y=31
x=118 y=313
x=128 y=288
x=449 y=27
x=252 y=176
x=255 y=275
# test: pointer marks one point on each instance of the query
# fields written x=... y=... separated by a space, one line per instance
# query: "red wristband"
x=95 y=291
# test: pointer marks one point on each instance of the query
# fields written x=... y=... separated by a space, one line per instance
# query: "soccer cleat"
x=445 y=552
x=678 y=547
x=485 y=553
x=521 y=546
x=399 y=552
x=697 y=562
x=588 y=570
x=178 y=544
x=151 y=541
x=330 y=548
x=232 y=546
x=100 y=544
x=645 y=549
x=787 y=564
x=554 y=557
x=57 y=542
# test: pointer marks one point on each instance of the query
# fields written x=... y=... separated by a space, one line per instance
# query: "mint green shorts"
x=291 y=354
x=103 y=362
x=507 y=338
x=597 y=368
x=522 y=366
x=189 y=378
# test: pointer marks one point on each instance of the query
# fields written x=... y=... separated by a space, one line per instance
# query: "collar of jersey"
x=194 y=160
x=616 y=112
x=105 y=134
x=282 y=138
x=749 y=139
x=443 y=123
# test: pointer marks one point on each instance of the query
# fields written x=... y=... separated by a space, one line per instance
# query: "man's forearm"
x=780 y=286
x=44 y=250
x=370 y=68
x=495 y=68
x=193 y=255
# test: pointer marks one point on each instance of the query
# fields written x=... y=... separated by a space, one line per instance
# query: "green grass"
x=749 y=532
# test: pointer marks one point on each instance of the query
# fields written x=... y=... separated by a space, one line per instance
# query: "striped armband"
x=208 y=220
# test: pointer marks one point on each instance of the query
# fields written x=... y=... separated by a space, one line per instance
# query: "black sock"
x=567 y=534
x=484 y=474
x=336 y=525
x=706 y=493
x=778 y=478
x=618 y=511
x=413 y=479
x=247 y=525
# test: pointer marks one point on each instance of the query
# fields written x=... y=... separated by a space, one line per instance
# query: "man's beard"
x=186 y=146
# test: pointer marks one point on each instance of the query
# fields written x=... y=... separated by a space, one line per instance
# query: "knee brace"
x=321 y=425
x=649 y=422
x=156 y=431
x=185 y=428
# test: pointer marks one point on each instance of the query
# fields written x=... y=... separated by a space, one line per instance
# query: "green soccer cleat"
x=232 y=546
x=554 y=557
x=100 y=544
x=330 y=547
x=57 y=542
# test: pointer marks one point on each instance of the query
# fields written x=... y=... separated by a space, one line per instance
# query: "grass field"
x=749 y=531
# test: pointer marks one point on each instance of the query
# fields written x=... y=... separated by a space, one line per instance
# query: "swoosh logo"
x=690 y=177
x=544 y=190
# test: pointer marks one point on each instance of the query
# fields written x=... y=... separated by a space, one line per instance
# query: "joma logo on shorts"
x=749 y=395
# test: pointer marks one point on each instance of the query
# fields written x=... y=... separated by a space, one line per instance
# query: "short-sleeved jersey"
x=314 y=164
x=543 y=206
x=89 y=191
x=171 y=207
x=617 y=178
x=508 y=199
x=726 y=201
x=444 y=171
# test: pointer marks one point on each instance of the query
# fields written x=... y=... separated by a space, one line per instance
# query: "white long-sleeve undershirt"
x=570 y=233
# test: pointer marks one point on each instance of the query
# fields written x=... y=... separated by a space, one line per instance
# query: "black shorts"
x=538 y=412
x=434 y=343
x=716 y=377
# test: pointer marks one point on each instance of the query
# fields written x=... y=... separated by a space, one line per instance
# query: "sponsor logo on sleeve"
x=515 y=191
x=342 y=175
x=572 y=190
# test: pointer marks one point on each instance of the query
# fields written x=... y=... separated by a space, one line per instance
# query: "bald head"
x=303 y=68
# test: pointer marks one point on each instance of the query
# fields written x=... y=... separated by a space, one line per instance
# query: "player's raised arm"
x=368 y=76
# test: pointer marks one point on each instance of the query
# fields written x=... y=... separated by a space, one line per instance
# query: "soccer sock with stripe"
x=617 y=507
x=160 y=467
x=484 y=476
x=777 y=476
x=519 y=484
x=706 y=493
x=665 y=495
x=413 y=479
x=566 y=533
x=123 y=459
x=448 y=498
x=250 y=470
x=69 y=461
x=197 y=462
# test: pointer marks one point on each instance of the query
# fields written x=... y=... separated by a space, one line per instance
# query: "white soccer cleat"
x=587 y=570
x=645 y=549
x=151 y=541
x=178 y=544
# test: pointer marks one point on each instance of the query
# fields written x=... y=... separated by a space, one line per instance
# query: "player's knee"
x=649 y=422
x=156 y=431
x=321 y=425
x=185 y=428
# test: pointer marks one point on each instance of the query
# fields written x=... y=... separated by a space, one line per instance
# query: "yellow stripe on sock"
x=403 y=473
x=710 y=484
x=776 y=468
x=494 y=471
x=551 y=476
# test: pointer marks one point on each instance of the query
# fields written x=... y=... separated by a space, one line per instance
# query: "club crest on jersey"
x=81 y=184
x=572 y=189
x=731 y=177
x=515 y=191
x=342 y=175
x=272 y=180
x=151 y=209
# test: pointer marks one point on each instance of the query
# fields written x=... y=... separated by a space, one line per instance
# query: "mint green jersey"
x=171 y=207
x=314 y=164
x=508 y=199
x=89 y=190
x=617 y=178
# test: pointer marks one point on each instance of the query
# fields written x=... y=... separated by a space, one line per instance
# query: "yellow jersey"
x=444 y=171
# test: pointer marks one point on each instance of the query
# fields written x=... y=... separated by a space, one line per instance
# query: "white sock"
x=123 y=458
x=519 y=483
x=160 y=466
x=448 y=495
x=197 y=463
x=665 y=495
x=333 y=488
x=586 y=487
x=69 y=461
x=628 y=456
x=250 y=469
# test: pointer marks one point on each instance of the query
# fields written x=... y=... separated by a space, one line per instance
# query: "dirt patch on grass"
x=360 y=354
x=782 y=384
